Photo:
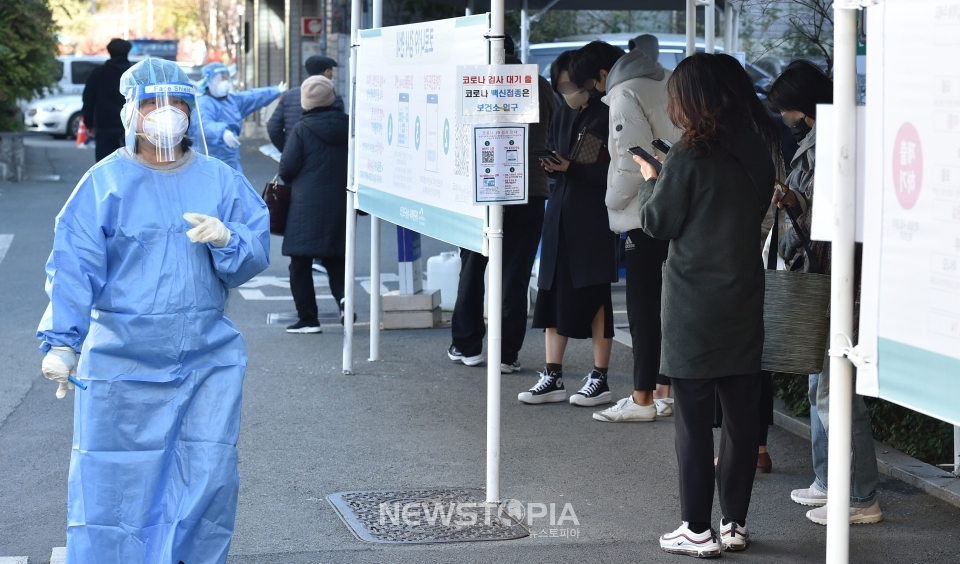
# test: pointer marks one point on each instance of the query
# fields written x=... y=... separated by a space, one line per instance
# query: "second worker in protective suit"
x=223 y=111
x=145 y=252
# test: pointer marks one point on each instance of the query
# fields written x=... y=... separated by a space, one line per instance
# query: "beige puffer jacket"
x=637 y=96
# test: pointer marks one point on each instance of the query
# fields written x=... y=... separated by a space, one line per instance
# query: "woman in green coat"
x=709 y=200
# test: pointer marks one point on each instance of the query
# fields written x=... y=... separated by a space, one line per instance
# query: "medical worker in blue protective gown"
x=222 y=111
x=145 y=252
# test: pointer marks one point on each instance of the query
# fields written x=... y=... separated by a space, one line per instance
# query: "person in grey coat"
x=709 y=200
x=288 y=111
x=314 y=162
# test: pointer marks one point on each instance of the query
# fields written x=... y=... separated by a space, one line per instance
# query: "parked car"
x=56 y=115
x=74 y=72
x=673 y=48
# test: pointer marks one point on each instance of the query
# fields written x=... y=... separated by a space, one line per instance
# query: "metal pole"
x=524 y=32
x=709 y=26
x=956 y=450
x=728 y=27
x=735 y=44
x=842 y=267
x=255 y=29
x=375 y=302
x=351 y=259
x=286 y=40
x=691 y=27
x=495 y=301
x=469 y=10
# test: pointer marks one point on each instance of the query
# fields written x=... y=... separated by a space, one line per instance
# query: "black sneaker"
x=594 y=392
x=548 y=390
x=455 y=355
x=343 y=304
x=302 y=327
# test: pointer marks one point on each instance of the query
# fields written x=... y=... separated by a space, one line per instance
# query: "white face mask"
x=577 y=99
x=165 y=127
x=220 y=88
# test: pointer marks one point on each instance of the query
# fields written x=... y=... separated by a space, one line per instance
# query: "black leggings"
x=737 y=459
x=301 y=284
x=645 y=256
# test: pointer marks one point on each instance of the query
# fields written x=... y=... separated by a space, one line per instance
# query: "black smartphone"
x=662 y=145
x=546 y=155
x=638 y=151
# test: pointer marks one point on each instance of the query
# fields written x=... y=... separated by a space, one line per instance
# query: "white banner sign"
x=910 y=321
x=414 y=163
x=501 y=161
x=498 y=94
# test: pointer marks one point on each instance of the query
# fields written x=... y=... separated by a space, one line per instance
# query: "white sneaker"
x=733 y=537
x=510 y=368
x=684 y=541
x=858 y=515
x=664 y=407
x=811 y=496
x=626 y=410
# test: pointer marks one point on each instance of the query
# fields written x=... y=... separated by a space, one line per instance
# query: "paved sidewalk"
x=413 y=420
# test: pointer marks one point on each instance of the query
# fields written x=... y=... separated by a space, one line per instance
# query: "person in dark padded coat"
x=102 y=100
x=709 y=201
x=578 y=260
x=314 y=162
x=288 y=111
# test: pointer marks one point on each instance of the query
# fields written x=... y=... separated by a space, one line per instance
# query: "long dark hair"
x=710 y=95
x=800 y=88
x=738 y=81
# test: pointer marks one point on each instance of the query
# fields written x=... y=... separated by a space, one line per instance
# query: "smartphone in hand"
x=640 y=152
x=546 y=155
x=662 y=145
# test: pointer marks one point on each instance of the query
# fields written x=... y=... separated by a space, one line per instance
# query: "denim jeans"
x=864 y=474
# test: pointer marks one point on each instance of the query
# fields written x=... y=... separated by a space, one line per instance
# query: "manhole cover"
x=425 y=516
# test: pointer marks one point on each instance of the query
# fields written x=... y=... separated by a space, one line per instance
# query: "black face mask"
x=799 y=128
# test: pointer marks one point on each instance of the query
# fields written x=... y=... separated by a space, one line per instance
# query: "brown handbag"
x=277 y=198
x=588 y=147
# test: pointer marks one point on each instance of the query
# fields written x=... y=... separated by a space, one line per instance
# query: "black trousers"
x=108 y=141
x=645 y=256
x=522 y=225
x=736 y=466
x=301 y=284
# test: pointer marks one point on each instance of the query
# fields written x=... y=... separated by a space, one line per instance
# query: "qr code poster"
x=500 y=157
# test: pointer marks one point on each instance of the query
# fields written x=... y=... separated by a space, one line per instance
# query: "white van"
x=75 y=71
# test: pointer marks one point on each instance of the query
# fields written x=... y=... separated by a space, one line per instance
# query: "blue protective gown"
x=153 y=470
x=220 y=114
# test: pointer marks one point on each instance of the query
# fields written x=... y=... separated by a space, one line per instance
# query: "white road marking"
x=59 y=555
x=258 y=295
x=13 y=559
x=5 y=241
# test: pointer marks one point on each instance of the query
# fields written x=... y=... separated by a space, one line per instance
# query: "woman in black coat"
x=314 y=162
x=578 y=260
x=709 y=201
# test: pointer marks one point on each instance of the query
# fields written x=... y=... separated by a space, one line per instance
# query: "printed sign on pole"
x=500 y=157
x=498 y=94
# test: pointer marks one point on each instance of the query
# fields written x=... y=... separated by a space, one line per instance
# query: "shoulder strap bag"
x=796 y=311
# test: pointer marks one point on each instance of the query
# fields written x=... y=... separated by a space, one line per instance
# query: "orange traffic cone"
x=82 y=134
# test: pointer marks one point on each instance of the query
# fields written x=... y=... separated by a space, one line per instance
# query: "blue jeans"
x=864 y=474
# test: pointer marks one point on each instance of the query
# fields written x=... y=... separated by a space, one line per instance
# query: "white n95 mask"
x=165 y=127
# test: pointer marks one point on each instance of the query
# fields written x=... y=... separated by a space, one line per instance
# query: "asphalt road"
x=412 y=420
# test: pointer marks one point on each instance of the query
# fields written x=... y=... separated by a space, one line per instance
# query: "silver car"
x=57 y=115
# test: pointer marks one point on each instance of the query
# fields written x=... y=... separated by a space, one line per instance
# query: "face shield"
x=157 y=119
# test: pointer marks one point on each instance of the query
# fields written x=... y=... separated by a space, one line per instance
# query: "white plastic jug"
x=443 y=273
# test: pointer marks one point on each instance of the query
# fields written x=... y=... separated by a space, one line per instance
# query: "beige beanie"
x=317 y=91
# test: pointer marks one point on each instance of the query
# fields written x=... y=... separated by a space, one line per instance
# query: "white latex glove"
x=282 y=87
x=230 y=138
x=207 y=229
x=58 y=365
